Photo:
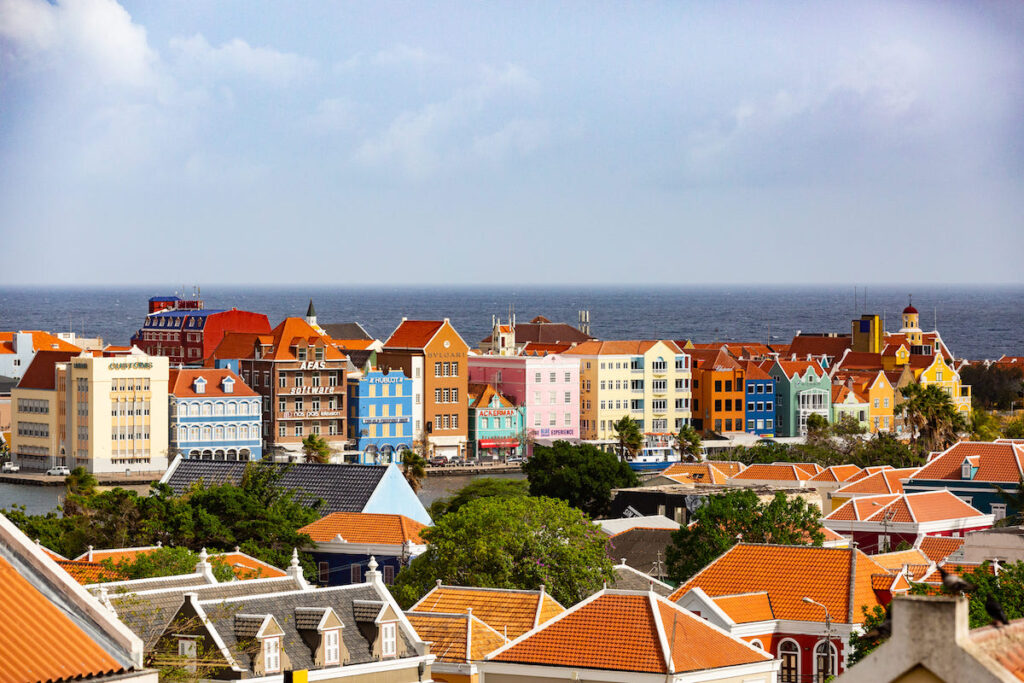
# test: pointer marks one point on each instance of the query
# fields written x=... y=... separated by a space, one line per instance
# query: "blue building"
x=380 y=415
x=214 y=415
x=972 y=470
x=760 y=400
x=495 y=424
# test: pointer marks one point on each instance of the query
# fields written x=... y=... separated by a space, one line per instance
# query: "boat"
x=653 y=458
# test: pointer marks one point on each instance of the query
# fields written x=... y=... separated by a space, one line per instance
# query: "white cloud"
x=332 y=115
x=516 y=138
x=237 y=58
x=94 y=36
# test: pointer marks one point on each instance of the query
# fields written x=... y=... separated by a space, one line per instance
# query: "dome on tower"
x=909 y=309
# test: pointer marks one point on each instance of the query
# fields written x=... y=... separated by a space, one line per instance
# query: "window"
x=455 y=395
x=298 y=379
x=998 y=511
x=323 y=572
x=551 y=377
x=437 y=369
x=568 y=397
x=769 y=424
x=188 y=650
x=388 y=640
x=389 y=574
x=356 y=574
x=332 y=651
x=718 y=385
x=446 y=369
x=965 y=470
x=825 y=661
x=789 y=653
x=271 y=655
x=750 y=406
x=728 y=385
x=568 y=420
x=455 y=369
x=551 y=419
x=437 y=395
x=298 y=429
x=552 y=397
x=568 y=377
x=446 y=395
x=455 y=421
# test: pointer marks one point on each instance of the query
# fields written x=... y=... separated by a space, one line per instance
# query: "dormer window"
x=965 y=470
x=332 y=648
x=319 y=353
x=228 y=385
x=300 y=353
x=388 y=640
x=199 y=385
x=188 y=651
x=271 y=655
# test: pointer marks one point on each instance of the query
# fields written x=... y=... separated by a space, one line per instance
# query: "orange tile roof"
x=799 y=367
x=181 y=383
x=291 y=331
x=928 y=506
x=938 y=548
x=116 y=555
x=808 y=467
x=41 y=341
x=413 y=334
x=698 y=472
x=448 y=635
x=998 y=462
x=883 y=481
x=354 y=344
x=85 y=572
x=753 y=371
x=40 y=372
x=541 y=349
x=622 y=631
x=52 y=555
x=618 y=348
x=730 y=467
x=510 y=612
x=789 y=472
x=365 y=527
x=746 y=607
x=897 y=560
x=40 y=641
x=837 y=473
x=480 y=396
x=860 y=508
x=832 y=536
x=1004 y=644
x=788 y=573
x=959 y=568
x=247 y=567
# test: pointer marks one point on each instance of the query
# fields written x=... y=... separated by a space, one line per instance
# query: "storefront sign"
x=498 y=443
x=312 y=413
x=137 y=365
x=383 y=420
x=314 y=390
x=562 y=432
x=312 y=365
x=388 y=379
x=495 y=412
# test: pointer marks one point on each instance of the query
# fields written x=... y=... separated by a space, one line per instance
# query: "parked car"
x=515 y=460
x=438 y=461
x=58 y=471
x=456 y=462
x=9 y=467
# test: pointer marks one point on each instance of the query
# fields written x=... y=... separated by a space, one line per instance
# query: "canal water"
x=41 y=499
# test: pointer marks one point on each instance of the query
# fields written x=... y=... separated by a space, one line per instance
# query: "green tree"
x=869 y=638
x=884 y=449
x=817 y=428
x=847 y=425
x=582 y=475
x=931 y=414
x=726 y=519
x=1014 y=429
x=994 y=387
x=519 y=542
x=984 y=426
x=1007 y=588
x=414 y=467
x=167 y=562
x=78 y=485
x=689 y=443
x=627 y=431
x=485 y=487
x=315 y=448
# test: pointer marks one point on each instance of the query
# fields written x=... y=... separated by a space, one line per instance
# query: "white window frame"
x=272 y=655
x=388 y=640
x=332 y=646
x=188 y=648
x=998 y=511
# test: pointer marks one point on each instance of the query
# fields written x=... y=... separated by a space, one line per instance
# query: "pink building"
x=548 y=387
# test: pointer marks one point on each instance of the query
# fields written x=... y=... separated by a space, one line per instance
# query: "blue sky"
x=517 y=142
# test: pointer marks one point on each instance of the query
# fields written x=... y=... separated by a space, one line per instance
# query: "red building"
x=186 y=333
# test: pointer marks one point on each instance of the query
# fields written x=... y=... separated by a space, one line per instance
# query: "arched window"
x=193 y=433
x=207 y=410
x=218 y=433
x=825 y=660
x=231 y=432
x=193 y=410
x=182 y=433
x=231 y=408
x=207 y=433
x=218 y=409
x=757 y=643
x=789 y=653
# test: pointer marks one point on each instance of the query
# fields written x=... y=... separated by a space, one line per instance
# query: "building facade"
x=646 y=380
x=496 y=428
x=380 y=415
x=214 y=415
x=547 y=388
x=17 y=349
x=760 y=398
x=432 y=352
x=802 y=389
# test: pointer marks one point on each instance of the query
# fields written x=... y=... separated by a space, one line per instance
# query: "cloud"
x=94 y=36
x=405 y=55
x=517 y=138
x=332 y=115
x=420 y=141
x=236 y=58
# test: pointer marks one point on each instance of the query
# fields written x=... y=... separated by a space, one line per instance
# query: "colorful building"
x=546 y=387
x=186 y=332
x=760 y=411
x=496 y=428
x=719 y=392
x=848 y=402
x=647 y=380
x=380 y=415
x=17 y=349
x=213 y=416
x=300 y=375
x=431 y=352
x=344 y=542
x=802 y=389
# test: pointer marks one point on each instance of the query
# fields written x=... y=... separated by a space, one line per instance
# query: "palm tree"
x=931 y=415
x=629 y=436
x=316 y=449
x=689 y=443
x=414 y=467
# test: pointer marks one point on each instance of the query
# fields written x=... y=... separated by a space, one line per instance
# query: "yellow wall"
x=882 y=393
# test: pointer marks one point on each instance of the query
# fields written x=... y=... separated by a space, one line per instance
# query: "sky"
x=511 y=142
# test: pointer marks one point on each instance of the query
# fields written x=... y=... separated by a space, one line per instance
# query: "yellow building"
x=107 y=414
x=934 y=370
x=647 y=380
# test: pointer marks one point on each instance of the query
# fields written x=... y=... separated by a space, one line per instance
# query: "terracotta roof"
x=832 y=346
x=730 y=467
x=714 y=359
x=858 y=360
x=837 y=473
x=511 y=612
x=959 y=568
x=789 y=472
x=746 y=607
x=1003 y=644
x=884 y=481
x=246 y=567
x=448 y=635
x=41 y=341
x=618 y=348
x=540 y=349
x=938 y=548
x=832 y=536
x=697 y=472
x=839 y=578
x=799 y=367
x=40 y=372
x=354 y=344
x=624 y=631
x=808 y=467
x=85 y=572
x=290 y=332
x=365 y=527
x=40 y=641
x=480 y=396
x=897 y=560
x=928 y=506
x=998 y=462
x=116 y=555
x=753 y=371
x=181 y=383
x=413 y=334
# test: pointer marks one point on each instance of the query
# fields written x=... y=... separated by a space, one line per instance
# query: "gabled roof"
x=456 y=638
x=85 y=572
x=830 y=345
x=365 y=527
x=746 y=607
x=754 y=371
x=289 y=332
x=181 y=383
x=40 y=372
x=542 y=331
x=897 y=560
x=998 y=462
x=116 y=555
x=928 y=506
x=938 y=548
x=799 y=367
x=414 y=334
x=884 y=481
x=961 y=568
x=630 y=579
x=41 y=341
x=837 y=473
x=780 y=472
x=480 y=396
x=348 y=331
x=509 y=612
x=839 y=578
x=540 y=349
x=246 y=567
x=714 y=359
x=698 y=472
x=895 y=340
x=630 y=631
x=345 y=488
x=730 y=467
x=618 y=348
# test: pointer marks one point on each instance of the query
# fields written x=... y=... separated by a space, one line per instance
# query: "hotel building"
x=213 y=415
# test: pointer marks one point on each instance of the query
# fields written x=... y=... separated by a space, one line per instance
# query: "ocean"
x=975 y=322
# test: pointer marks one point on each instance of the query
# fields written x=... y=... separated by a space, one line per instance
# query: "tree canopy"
x=994 y=387
x=516 y=542
x=627 y=431
x=315 y=448
x=485 y=487
x=414 y=468
x=930 y=413
x=725 y=519
x=582 y=475
x=689 y=443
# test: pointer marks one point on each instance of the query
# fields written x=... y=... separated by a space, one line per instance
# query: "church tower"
x=911 y=327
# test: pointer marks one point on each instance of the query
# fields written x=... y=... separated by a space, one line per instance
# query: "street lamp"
x=828 y=639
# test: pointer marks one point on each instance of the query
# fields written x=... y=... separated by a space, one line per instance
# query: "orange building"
x=718 y=392
x=433 y=354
